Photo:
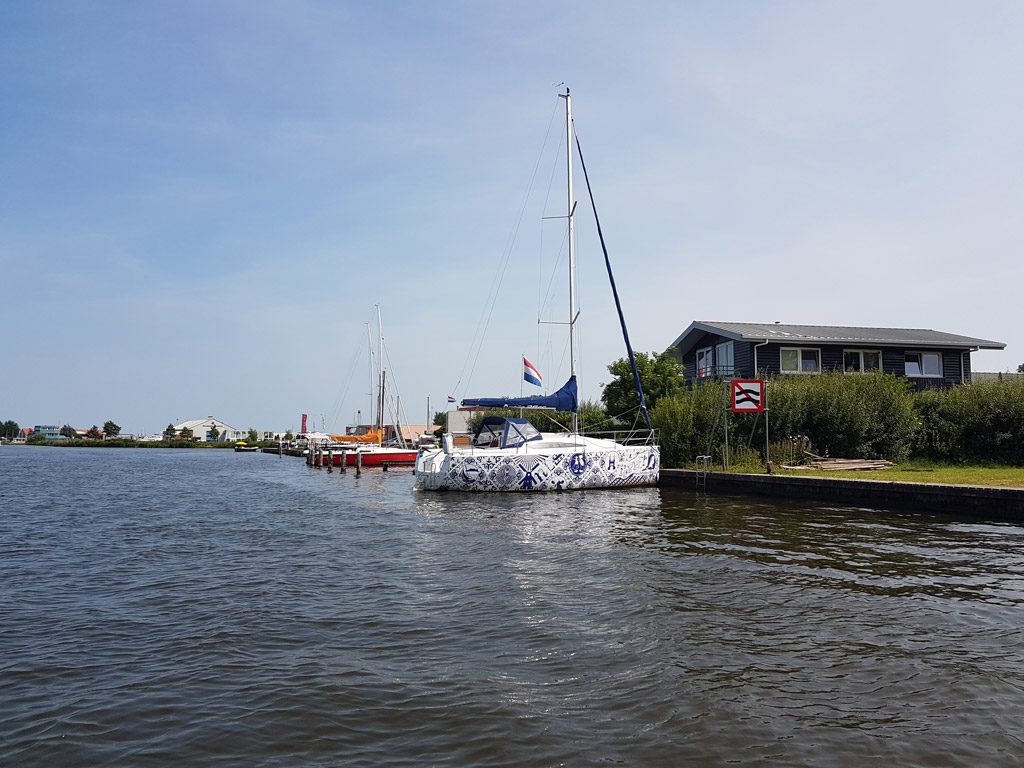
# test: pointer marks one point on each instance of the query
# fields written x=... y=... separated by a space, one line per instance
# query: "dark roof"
x=830 y=334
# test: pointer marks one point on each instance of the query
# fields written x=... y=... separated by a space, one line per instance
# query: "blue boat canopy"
x=565 y=399
x=498 y=432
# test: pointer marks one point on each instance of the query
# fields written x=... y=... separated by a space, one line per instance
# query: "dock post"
x=359 y=463
x=330 y=460
x=344 y=458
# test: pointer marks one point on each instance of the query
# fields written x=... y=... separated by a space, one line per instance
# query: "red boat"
x=372 y=456
x=376 y=456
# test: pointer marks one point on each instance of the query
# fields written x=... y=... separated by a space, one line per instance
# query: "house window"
x=923 y=364
x=704 y=362
x=724 y=358
x=799 y=360
x=861 y=360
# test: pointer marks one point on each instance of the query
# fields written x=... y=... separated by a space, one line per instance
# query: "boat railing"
x=627 y=436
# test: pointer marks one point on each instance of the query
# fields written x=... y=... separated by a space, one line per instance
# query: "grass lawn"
x=1000 y=477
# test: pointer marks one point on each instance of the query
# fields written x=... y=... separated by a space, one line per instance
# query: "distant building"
x=50 y=432
x=202 y=430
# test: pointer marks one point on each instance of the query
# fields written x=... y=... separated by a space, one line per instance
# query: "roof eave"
x=696 y=326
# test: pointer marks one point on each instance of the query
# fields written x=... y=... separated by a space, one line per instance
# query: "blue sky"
x=201 y=203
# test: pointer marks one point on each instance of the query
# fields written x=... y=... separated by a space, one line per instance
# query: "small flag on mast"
x=531 y=374
x=451 y=399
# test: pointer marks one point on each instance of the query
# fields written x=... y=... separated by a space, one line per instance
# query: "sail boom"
x=565 y=399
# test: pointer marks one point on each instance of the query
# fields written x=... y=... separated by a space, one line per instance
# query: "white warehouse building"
x=202 y=430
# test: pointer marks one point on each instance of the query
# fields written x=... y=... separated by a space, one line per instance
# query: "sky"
x=202 y=204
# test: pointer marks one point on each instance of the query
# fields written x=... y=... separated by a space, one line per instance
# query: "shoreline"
x=988 y=502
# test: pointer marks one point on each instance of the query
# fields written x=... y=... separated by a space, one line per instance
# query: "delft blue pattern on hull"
x=621 y=468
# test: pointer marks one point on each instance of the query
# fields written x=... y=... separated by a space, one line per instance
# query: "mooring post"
x=330 y=460
x=344 y=459
x=359 y=463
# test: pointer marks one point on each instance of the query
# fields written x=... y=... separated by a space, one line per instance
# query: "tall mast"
x=380 y=363
x=369 y=369
x=571 y=206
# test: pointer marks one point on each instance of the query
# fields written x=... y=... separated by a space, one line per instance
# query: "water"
x=169 y=608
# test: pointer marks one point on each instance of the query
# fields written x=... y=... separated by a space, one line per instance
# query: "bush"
x=978 y=422
x=868 y=416
x=690 y=424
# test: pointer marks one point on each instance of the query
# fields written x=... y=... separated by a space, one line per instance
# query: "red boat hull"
x=373 y=457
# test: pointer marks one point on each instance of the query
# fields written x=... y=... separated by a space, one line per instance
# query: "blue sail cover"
x=564 y=399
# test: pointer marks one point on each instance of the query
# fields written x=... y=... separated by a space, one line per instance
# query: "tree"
x=9 y=430
x=1020 y=368
x=185 y=434
x=110 y=429
x=214 y=433
x=170 y=433
x=68 y=431
x=288 y=436
x=253 y=436
x=94 y=433
x=661 y=376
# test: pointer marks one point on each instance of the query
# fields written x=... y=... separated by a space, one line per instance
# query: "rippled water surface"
x=170 y=608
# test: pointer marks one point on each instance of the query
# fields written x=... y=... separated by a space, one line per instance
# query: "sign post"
x=749 y=396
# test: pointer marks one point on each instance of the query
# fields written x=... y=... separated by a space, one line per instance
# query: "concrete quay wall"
x=1004 y=504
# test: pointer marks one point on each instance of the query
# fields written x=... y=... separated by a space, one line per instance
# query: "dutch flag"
x=531 y=374
x=451 y=399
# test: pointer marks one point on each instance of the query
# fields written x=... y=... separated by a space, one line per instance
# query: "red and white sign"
x=747 y=395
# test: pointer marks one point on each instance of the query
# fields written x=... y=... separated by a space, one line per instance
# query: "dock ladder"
x=703 y=467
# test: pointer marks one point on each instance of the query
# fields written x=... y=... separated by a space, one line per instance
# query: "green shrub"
x=978 y=422
x=690 y=424
x=868 y=416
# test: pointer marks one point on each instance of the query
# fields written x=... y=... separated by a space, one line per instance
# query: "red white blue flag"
x=451 y=399
x=531 y=374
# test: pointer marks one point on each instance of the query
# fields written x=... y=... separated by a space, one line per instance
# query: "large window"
x=923 y=364
x=799 y=360
x=861 y=360
x=704 y=362
x=724 y=359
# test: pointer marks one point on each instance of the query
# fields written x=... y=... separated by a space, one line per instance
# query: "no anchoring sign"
x=747 y=395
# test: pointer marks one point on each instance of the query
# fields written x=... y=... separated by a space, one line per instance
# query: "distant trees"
x=1020 y=368
x=185 y=434
x=288 y=436
x=110 y=429
x=170 y=432
x=9 y=430
x=68 y=431
x=214 y=433
x=253 y=435
x=94 y=433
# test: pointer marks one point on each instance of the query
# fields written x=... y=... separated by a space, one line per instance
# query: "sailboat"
x=509 y=454
x=360 y=451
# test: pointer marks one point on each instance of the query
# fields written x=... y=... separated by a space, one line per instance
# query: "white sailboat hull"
x=569 y=463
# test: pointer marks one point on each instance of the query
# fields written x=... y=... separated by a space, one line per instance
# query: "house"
x=202 y=430
x=748 y=350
